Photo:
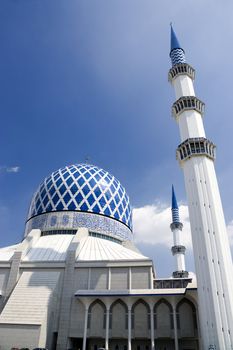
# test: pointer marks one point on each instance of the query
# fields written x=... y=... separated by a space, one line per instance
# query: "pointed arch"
x=144 y=303
x=141 y=301
x=119 y=301
x=156 y=306
x=97 y=301
x=123 y=316
x=185 y=300
x=90 y=310
x=193 y=308
x=163 y=300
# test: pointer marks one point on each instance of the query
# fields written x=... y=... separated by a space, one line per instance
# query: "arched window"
x=118 y=315
x=186 y=317
x=143 y=309
x=96 y=315
x=163 y=317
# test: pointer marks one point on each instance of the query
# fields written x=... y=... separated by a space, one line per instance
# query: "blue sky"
x=88 y=78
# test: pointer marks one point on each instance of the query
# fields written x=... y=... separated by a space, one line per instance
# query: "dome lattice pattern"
x=84 y=188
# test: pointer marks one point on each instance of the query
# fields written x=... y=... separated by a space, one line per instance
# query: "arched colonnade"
x=128 y=318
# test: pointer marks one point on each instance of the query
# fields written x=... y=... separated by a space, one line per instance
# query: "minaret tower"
x=178 y=249
x=211 y=248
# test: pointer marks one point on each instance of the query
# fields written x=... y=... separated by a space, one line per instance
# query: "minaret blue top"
x=177 y=54
x=175 y=208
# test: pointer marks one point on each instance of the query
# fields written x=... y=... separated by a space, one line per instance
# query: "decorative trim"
x=177 y=56
x=187 y=103
x=178 y=249
x=198 y=146
x=72 y=220
x=181 y=69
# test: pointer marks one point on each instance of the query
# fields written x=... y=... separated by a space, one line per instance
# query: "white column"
x=107 y=329
x=89 y=278
x=175 y=327
x=152 y=327
x=179 y=256
x=198 y=328
x=109 y=278
x=85 y=327
x=129 y=327
x=130 y=278
x=151 y=279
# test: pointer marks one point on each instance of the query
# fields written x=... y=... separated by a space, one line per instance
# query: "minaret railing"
x=178 y=249
x=198 y=146
x=186 y=103
x=181 y=69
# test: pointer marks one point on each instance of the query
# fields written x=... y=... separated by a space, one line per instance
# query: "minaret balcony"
x=180 y=274
x=178 y=249
x=181 y=69
x=176 y=225
x=198 y=146
x=187 y=103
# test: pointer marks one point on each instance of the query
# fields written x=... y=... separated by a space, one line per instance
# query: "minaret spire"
x=213 y=262
x=178 y=249
x=177 y=54
x=175 y=208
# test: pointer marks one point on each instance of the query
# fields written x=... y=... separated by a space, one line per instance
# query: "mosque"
x=77 y=281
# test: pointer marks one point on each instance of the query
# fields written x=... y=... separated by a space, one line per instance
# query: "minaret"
x=178 y=249
x=211 y=248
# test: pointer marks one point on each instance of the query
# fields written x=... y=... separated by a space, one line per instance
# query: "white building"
x=77 y=281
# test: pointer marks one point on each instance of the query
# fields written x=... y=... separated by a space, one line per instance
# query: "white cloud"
x=152 y=225
x=12 y=169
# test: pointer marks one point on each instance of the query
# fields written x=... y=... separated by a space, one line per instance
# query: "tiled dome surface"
x=84 y=188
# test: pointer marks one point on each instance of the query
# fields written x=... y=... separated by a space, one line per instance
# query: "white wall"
x=19 y=336
x=81 y=278
x=140 y=277
x=99 y=278
x=77 y=318
x=119 y=278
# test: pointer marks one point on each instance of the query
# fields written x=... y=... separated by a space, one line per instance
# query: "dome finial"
x=177 y=53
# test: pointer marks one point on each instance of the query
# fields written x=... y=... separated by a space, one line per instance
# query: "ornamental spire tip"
x=177 y=53
x=174 y=41
x=174 y=201
x=175 y=208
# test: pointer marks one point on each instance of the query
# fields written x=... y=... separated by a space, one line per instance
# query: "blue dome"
x=82 y=188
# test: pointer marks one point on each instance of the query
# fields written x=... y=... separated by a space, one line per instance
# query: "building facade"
x=77 y=281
